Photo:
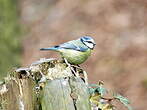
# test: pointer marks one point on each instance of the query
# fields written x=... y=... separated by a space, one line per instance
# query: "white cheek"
x=90 y=45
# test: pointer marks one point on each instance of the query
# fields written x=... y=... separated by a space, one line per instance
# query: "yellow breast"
x=75 y=57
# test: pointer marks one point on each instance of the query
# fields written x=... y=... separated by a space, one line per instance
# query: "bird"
x=76 y=51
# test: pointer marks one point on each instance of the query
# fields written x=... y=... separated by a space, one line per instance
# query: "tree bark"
x=47 y=84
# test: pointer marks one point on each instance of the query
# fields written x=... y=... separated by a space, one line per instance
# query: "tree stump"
x=47 y=84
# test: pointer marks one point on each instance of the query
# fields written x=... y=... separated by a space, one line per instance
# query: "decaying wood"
x=47 y=84
x=17 y=94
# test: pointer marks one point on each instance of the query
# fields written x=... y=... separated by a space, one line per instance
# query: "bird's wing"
x=75 y=45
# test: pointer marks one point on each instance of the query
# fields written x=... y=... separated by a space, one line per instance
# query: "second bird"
x=75 y=51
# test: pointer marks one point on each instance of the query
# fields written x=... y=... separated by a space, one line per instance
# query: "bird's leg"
x=70 y=66
x=77 y=66
x=85 y=77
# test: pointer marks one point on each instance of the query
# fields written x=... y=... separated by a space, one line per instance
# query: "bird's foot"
x=71 y=67
x=84 y=74
x=77 y=67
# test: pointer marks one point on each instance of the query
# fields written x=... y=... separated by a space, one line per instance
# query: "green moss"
x=10 y=31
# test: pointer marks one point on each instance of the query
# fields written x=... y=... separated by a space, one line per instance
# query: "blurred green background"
x=10 y=31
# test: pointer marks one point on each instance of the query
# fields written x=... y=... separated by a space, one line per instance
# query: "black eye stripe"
x=89 y=41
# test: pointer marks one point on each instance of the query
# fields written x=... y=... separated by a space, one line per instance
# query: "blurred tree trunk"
x=46 y=85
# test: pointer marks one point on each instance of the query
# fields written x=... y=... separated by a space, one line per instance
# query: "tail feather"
x=51 y=48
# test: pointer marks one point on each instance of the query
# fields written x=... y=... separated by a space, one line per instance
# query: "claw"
x=70 y=66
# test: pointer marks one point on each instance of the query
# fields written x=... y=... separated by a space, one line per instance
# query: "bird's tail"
x=51 y=48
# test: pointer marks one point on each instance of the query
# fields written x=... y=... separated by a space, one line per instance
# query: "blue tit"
x=75 y=51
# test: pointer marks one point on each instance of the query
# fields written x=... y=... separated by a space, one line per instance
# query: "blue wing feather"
x=74 y=46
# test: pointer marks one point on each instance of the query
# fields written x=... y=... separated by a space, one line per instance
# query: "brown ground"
x=118 y=26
